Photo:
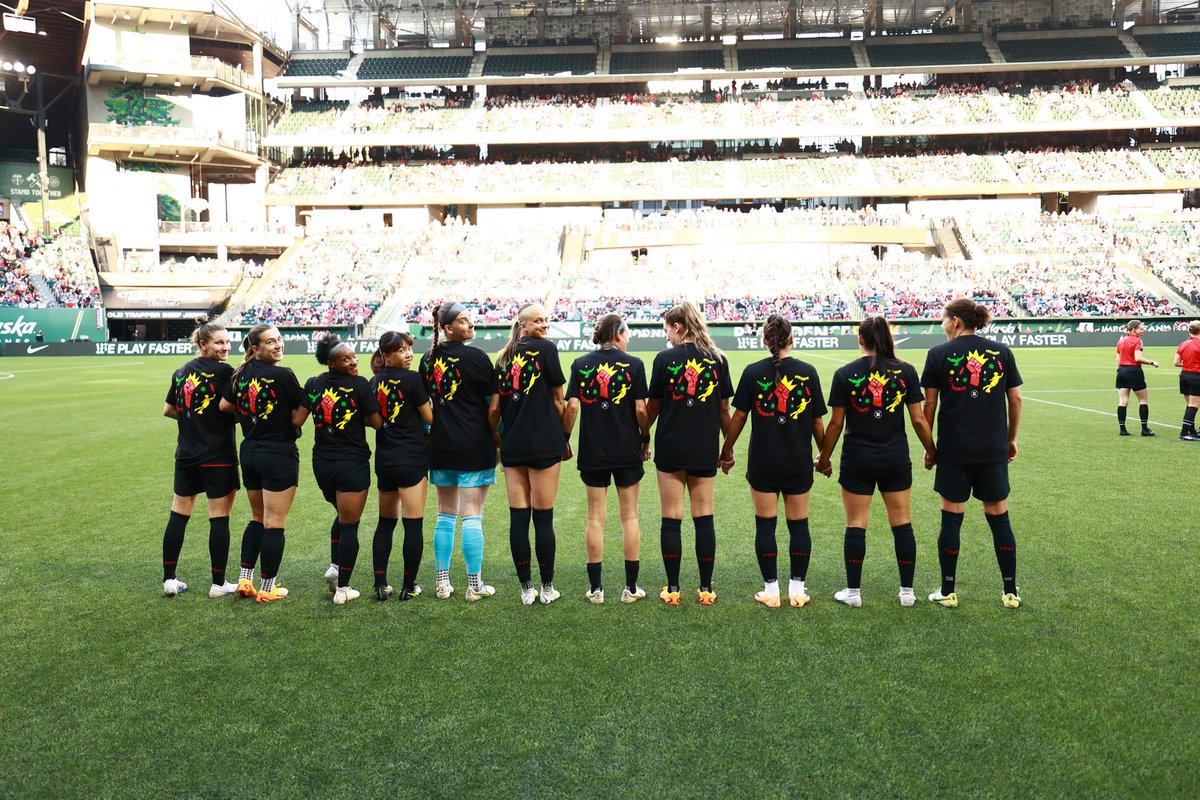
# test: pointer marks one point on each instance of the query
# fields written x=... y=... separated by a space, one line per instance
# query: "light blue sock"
x=443 y=539
x=472 y=543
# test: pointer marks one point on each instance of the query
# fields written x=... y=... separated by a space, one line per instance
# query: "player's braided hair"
x=688 y=316
x=206 y=328
x=776 y=333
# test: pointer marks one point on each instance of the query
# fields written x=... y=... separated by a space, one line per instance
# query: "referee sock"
x=251 y=545
x=544 y=544
x=706 y=549
x=1144 y=415
x=855 y=550
x=347 y=552
x=443 y=541
x=1189 y=422
x=799 y=546
x=631 y=574
x=218 y=548
x=412 y=549
x=381 y=549
x=672 y=550
x=335 y=541
x=1121 y=412
x=906 y=553
x=518 y=542
x=1006 y=549
x=173 y=543
x=948 y=543
x=272 y=555
x=593 y=571
x=764 y=547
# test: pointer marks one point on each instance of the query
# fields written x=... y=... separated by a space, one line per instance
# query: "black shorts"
x=957 y=482
x=214 y=480
x=864 y=481
x=691 y=473
x=341 y=475
x=273 y=466
x=389 y=479
x=537 y=463
x=775 y=487
x=1189 y=383
x=620 y=476
x=1131 y=378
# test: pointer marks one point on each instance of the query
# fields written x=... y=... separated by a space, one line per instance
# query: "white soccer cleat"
x=483 y=591
x=632 y=597
x=344 y=594
x=442 y=591
x=596 y=596
x=221 y=590
x=331 y=578
x=529 y=596
x=851 y=597
x=908 y=597
x=173 y=586
x=944 y=600
x=549 y=595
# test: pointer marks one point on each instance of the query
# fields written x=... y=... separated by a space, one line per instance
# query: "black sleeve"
x=553 y=366
x=818 y=401
x=367 y=401
x=640 y=390
x=930 y=377
x=838 y=398
x=170 y=399
x=726 y=379
x=657 y=378
x=743 y=399
x=1011 y=373
x=417 y=391
x=291 y=390
x=573 y=384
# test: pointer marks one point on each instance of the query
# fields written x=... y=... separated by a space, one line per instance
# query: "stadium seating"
x=1175 y=102
x=910 y=51
x=383 y=68
x=516 y=64
x=1063 y=48
x=638 y=62
x=315 y=67
x=795 y=57
x=1165 y=44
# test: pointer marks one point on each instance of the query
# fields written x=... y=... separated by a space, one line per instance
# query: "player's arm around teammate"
x=607 y=393
x=1187 y=358
x=206 y=455
x=866 y=397
x=342 y=405
x=462 y=455
x=788 y=407
x=689 y=396
x=265 y=398
x=978 y=384
x=1131 y=378
x=526 y=413
x=401 y=460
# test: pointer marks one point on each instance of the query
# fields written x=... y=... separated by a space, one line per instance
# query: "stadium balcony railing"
x=174 y=134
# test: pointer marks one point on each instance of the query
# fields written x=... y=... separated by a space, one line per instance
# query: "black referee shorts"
x=957 y=482
x=270 y=466
x=1189 y=384
x=1131 y=378
x=214 y=480
x=341 y=475
x=888 y=479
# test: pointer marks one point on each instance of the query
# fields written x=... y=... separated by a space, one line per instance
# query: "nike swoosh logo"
x=901 y=341
x=31 y=349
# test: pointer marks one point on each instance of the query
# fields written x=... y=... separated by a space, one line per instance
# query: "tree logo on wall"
x=127 y=105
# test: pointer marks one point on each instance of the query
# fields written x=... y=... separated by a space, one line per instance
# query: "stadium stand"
x=795 y=57
x=1063 y=48
x=516 y=64
x=911 y=51
x=646 y=61
x=388 y=68
x=315 y=67
x=1157 y=43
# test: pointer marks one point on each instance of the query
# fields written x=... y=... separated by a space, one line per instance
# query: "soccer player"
x=607 y=393
x=401 y=460
x=462 y=453
x=341 y=404
x=1187 y=357
x=689 y=396
x=977 y=382
x=265 y=398
x=1130 y=377
x=526 y=415
x=784 y=396
x=868 y=397
x=205 y=457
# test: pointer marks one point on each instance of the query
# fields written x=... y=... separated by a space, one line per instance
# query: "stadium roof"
x=54 y=46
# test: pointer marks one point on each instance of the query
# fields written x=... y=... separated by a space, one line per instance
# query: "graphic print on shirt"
x=606 y=384
x=336 y=407
x=783 y=401
x=693 y=381
x=256 y=398
x=443 y=376
x=877 y=393
x=522 y=374
x=194 y=392
x=975 y=372
x=391 y=400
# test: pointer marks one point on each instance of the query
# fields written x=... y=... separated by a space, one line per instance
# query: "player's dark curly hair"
x=326 y=346
x=776 y=333
x=607 y=329
x=973 y=315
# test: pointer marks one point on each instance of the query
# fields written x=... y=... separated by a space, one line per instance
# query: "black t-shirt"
x=265 y=396
x=401 y=440
x=338 y=406
x=607 y=384
x=781 y=418
x=459 y=381
x=205 y=434
x=876 y=401
x=972 y=375
x=531 y=428
x=691 y=386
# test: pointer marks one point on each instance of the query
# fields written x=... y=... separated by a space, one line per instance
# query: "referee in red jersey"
x=1130 y=377
x=1187 y=356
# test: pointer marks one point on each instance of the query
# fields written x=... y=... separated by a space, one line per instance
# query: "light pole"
x=26 y=73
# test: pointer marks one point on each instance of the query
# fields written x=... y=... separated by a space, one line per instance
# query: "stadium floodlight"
x=7 y=66
x=18 y=66
x=31 y=69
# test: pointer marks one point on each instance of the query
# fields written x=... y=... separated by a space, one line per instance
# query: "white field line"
x=1133 y=420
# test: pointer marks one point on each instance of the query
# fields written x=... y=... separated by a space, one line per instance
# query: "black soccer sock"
x=518 y=542
x=631 y=574
x=1121 y=412
x=173 y=543
x=1189 y=422
x=218 y=548
x=706 y=549
x=672 y=550
x=347 y=552
x=251 y=544
x=799 y=546
x=272 y=552
x=593 y=570
x=906 y=552
x=1144 y=415
x=855 y=550
x=764 y=547
x=335 y=539
x=381 y=549
x=948 y=543
x=413 y=548
x=543 y=543
x=1006 y=549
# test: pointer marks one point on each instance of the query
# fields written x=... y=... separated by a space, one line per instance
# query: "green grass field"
x=107 y=689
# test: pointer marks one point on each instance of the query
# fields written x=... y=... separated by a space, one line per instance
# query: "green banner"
x=21 y=325
x=22 y=182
